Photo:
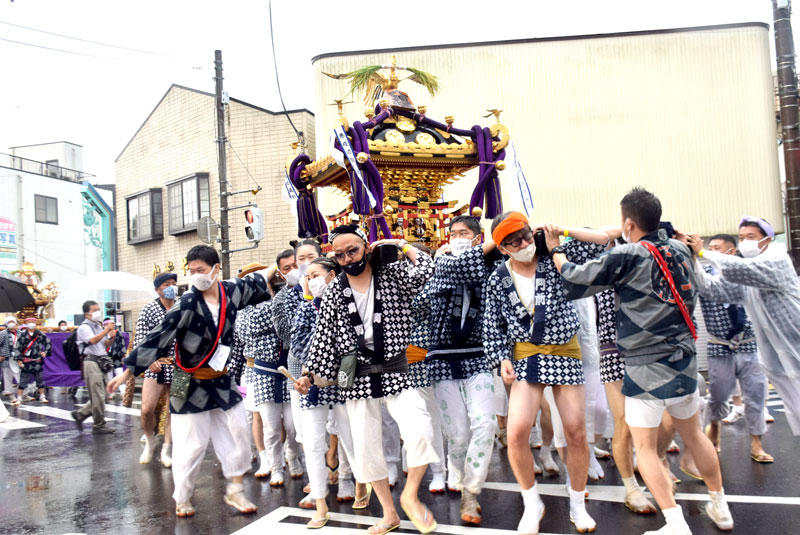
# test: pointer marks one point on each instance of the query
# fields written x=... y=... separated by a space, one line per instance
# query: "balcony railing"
x=46 y=169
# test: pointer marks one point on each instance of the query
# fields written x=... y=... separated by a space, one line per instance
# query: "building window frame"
x=188 y=200
x=48 y=214
x=150 y=227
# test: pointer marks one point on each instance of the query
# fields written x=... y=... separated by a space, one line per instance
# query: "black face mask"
x=357 y=268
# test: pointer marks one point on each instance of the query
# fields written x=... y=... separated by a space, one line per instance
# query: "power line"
x=54 y=49
x=243 y=164
x=82 y=40
x=277 y=79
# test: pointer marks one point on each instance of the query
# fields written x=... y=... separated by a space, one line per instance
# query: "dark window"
x=188 y=200
x=51 y=168
x=145 y=216
x=46 y=209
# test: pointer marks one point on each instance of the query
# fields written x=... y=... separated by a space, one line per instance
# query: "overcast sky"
x=97 y=96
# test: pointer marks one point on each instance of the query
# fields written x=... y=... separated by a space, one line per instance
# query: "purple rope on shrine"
x=310 y=222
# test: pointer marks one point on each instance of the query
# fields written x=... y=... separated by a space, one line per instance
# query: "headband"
x=30 y=320
x=511 y=224
x=762 y=224
x=347 y=229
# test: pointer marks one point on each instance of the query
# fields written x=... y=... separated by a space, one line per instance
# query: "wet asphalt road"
x=56 y=480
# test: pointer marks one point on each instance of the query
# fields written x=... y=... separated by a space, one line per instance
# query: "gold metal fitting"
x=477 y=211
x=423 y=109
x=369 y=113
x=383 y=103
x=449 y=119
x=500 y=165
x=362 y=157
x=388 y=210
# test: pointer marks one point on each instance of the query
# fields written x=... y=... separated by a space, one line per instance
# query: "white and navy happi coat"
x=29 y=350
x=395 y=286
x=151 y=315
x=729 y=323
x=554 y=320
x=255 y=338
x=420 y=332
x=652 y=334
x=305 y=321
x=456 y=350
x=286 y=304
x=191 y=325
x=611 y=366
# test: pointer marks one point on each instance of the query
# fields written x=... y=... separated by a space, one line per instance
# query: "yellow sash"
x=571 y=349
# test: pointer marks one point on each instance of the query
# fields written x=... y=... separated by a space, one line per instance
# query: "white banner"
x=348 y=151
x=515 y=168
x=289 y=193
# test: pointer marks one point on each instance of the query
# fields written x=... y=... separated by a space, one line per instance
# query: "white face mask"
x=460 y=246
x=524 y=255
x=62 y=328
x=97 y=316
x=626 y=237
x=292 y=278
x=317 y=286
x=750 y=248
x=203 y=281
x=31 y=326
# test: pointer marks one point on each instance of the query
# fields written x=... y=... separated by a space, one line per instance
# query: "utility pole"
x=222 y=171
x=790 y=120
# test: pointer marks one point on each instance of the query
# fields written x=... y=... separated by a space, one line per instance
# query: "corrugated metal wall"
x=689 y=115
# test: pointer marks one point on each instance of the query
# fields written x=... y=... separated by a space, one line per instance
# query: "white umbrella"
x=128 y=287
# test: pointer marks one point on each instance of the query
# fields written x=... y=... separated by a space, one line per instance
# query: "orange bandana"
x=514 y=222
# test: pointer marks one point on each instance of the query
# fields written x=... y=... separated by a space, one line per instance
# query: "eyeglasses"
x=350 y=253
x=516 y=242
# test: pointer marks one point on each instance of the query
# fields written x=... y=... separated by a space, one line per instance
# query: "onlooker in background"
x=62 y=326
x=94 y=345
x=8 y=340
x=31 y=349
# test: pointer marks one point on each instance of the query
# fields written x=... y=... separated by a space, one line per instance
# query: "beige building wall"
x=689 y=114
x=177 y=140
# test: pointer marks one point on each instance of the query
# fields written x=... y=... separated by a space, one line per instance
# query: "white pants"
x=469 y=424
x=788 y=389
x=8 y=377
x=228 y=432
x=500 y=395
x=271 y=416
x=408 y=409
x=3 y=412
x=294 y=396
x=391 y=437
x=559 y=438
x=429 y=397
x=315 y=422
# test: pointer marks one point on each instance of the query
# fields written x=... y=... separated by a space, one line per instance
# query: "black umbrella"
x=14 y=294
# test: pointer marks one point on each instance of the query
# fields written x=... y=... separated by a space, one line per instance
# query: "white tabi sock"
x=674 y=516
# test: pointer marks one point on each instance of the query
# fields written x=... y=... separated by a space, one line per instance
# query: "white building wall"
x=58 y=250
x=687 y=114
x=69 y=155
